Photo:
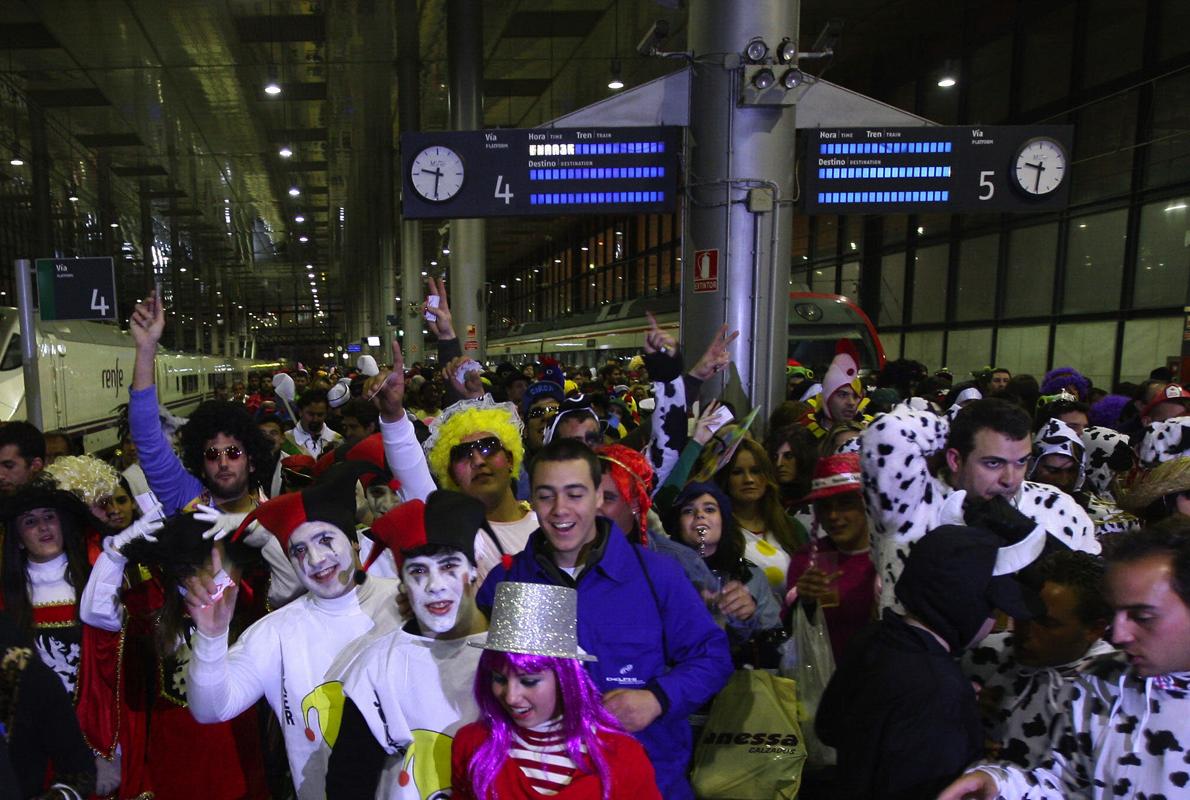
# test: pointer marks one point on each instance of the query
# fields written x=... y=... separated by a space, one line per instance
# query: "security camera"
x=653 y=37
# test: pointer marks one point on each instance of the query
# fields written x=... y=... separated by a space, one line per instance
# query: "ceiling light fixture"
x=285 y=152
x=16 y=159
x=615 y=82
x=294 y=191
x=299 y=219
x=303 y=239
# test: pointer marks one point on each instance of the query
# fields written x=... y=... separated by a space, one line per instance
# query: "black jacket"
x=900 y=713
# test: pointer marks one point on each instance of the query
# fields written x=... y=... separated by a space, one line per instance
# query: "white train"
x=86 y=369
x=816 y=323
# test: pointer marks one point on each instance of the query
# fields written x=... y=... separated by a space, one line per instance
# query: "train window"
x=12 y=353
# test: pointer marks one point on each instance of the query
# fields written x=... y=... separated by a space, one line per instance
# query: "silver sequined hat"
x=534 y=619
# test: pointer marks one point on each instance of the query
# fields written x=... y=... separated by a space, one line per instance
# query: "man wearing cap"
x=660 y=654
x=1168 y=401
x=540 y=405
x=284 y=657
x=1124 y=732
x=898 y=709
x=475 y=447
x=1059 y=460
x=987 y=448
x=410 y=690
x=312 y=436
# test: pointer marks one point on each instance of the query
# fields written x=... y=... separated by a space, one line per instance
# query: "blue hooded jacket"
x=640 y=616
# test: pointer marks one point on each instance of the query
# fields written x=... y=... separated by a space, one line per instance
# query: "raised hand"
x=471 y=387
x=211 y=598
x=143 y=528
x=387 y=389
x=657 y=340
x=221 y=522
x=705 y=427
x=717 y=355
x=442 y=325
x=148 y=321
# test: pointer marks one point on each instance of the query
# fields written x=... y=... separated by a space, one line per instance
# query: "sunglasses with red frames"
x=233 y=453
x=485 y=446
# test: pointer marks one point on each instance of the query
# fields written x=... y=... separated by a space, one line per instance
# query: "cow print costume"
x=1020 y=703
x=1164 y=441
x=1058 y=438
x=905 y=500
x=1122 y=736
x=1108 y=454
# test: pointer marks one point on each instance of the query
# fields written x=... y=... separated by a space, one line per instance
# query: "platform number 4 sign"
x=76 y=288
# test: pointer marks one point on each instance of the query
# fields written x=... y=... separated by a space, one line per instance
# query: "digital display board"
x=988 y=168
x=539 y=171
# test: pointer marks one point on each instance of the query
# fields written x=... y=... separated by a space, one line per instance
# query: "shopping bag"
x=751 y=748
x=807 y=659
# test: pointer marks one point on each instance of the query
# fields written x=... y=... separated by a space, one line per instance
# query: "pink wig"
x=583 y=717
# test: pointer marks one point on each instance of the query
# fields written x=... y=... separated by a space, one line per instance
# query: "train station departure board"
x=539 y=171
x=996 y=168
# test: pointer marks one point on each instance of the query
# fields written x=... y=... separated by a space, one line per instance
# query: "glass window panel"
x=1103 y=138
x=968 y=351
x=799 y=279
x=822 y=279
x=896 y=227
x=988 y=81
x=801 y=236
x=1169 y=150
x=1047 y=53
x=892 y=289
x=932 y=226
x=1147 y=344
x=929 y=284
x=975 y=296
x=1094 y=263
x=924 y=346
x=940 y=103
x=1116 y=28
x=826 y=235
x=1163 y=261
x=1022 y=349
x=850 y=278
x=1088 y=345
x=1032 y=253
x=1171 y=35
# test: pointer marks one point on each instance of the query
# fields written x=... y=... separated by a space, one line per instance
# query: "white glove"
x=143 y=528
x=107 y=775
x=951 y=512
x=222 y=523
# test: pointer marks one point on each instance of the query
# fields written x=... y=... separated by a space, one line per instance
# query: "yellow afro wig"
x=466 y=417
x=86 y=477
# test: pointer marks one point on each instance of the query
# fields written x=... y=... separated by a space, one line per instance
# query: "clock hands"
x=437 y=173
x=1037 y=179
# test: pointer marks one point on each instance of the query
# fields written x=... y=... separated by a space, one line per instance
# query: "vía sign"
x=76 y=288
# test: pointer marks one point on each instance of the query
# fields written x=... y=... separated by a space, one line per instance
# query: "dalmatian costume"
x=905 y=500
x=1058 y=438
x=1164 y=441
x=1025 y=699
x=1108 y=454
x=1122 y=736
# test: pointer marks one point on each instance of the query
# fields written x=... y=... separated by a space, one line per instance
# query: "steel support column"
x=413 y=343
x=735 y=149
x=468 y=241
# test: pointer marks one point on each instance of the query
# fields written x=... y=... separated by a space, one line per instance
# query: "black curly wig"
x=231 y=419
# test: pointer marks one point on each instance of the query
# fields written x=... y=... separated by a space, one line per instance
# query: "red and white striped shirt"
x=541 y=755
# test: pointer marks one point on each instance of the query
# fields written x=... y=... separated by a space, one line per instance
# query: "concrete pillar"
x=413 y=343
x=468 y=242
x=733 y=149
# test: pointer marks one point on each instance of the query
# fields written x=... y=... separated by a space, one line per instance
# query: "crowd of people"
x=433 y=580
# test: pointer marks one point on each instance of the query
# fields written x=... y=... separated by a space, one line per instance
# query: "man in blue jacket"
x=660 y=654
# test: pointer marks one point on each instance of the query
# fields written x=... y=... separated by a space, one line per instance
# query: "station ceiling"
x=170 y=95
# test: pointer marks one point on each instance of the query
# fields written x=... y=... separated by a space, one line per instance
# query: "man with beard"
x=284 y=657
x=409 y=691
x=312 y=436
x=224 y=454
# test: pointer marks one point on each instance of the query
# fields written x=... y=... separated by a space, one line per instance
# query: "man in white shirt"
x=284 y=657
x=312 y=435
x=410 y=690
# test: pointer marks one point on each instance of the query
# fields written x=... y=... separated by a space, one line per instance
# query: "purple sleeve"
x=169 y=480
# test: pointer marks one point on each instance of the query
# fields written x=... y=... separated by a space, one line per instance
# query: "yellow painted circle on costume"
x=775 y=575
x=765 y=549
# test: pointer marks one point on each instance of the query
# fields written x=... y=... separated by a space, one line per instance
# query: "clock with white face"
x=437 y=173
x=1040 y=166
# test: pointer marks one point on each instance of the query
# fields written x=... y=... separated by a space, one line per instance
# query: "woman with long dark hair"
x=543 y=730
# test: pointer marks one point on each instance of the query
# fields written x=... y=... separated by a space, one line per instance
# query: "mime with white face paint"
x=410 y=691
x=285 y=656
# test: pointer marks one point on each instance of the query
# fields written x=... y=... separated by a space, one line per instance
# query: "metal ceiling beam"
x=75 y=97
x=306 y=90
x=541 y=25
x=295 y=135
x=282 y=28
x=97 y=140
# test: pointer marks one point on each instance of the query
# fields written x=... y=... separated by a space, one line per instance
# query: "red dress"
x=631 y=771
